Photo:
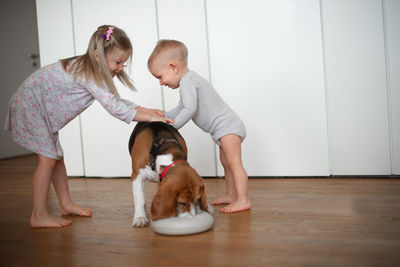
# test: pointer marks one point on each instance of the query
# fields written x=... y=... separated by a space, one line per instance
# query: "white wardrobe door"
x=267 y=63
x=356 y=87
x=392 y=26
x=105 y=138
x=56 y=42
x=184 y=20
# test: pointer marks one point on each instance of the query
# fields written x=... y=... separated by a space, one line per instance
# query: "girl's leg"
x=41 y=185
x=230 y=194
x=60 y=183
x=231 y=146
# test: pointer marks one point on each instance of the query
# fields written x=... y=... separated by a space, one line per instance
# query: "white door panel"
x=356 y=87
x=392 y=26
x=266 y=62
x=57 y=42
x=105 y=138
x=184 y=20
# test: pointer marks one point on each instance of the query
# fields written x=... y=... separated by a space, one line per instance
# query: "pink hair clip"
x=107 y=35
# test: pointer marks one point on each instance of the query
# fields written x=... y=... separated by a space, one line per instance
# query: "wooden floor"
x=294 y=222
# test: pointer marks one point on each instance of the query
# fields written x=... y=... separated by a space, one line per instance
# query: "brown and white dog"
x=159 y=154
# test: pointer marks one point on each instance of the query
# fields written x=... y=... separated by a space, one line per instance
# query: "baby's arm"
x=187 y=107
x=173 y=112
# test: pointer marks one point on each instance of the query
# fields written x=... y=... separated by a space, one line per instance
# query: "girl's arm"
x=122 y=109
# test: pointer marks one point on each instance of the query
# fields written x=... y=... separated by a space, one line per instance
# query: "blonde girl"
x=54 y=95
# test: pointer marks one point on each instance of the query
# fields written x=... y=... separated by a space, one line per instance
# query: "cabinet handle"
x=33 y=55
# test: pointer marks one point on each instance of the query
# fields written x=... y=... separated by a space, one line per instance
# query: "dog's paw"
x=140 y=222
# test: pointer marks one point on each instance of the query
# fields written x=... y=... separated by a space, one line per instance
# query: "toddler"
x=200 y=102
x=54 y=95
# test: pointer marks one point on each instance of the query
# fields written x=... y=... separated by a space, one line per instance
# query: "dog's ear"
x=199 y=192
x=203 y=200
x=164 y=202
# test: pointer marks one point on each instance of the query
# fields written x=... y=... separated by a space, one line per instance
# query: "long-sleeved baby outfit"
x=200 y=102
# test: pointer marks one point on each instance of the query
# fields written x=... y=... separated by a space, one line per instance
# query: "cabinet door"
x=267 y=63
x=105 y=138
x=392 y=26
x=184 y=20
x=356 y=87
x=55 y=27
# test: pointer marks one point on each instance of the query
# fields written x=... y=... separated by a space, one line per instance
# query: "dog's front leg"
x=139 y=218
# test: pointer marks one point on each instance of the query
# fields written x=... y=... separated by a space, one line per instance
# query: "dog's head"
x=179 y=190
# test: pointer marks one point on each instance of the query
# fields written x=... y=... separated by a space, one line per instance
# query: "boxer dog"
x=159 y=154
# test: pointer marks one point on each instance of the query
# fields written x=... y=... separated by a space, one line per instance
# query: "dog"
x=159 y=154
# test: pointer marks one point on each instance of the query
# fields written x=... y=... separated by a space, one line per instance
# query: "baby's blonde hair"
x=87 y=66
x=170 y=49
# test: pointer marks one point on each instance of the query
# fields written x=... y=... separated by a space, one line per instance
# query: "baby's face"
x=167 y=74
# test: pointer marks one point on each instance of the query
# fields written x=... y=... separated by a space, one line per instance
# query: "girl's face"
x=167 y=74
x=116 y=59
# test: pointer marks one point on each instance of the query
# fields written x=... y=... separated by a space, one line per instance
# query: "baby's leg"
x=41 y=185
x=230 y=194
x=60 y=183
x=231 y=146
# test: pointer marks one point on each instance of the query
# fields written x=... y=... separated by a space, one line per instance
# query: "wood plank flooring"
x=293 y=222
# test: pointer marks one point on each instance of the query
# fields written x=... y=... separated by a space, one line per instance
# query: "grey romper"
x=49 y=99
x=200 y=102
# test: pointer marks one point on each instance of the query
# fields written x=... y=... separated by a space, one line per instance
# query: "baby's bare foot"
x=237 y=206
x=73 y=209
x=47 y=221
x=225 y=199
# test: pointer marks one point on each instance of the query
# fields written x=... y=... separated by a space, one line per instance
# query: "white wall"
x=316 y=82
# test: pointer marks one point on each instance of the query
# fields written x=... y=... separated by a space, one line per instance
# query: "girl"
x=53 y=96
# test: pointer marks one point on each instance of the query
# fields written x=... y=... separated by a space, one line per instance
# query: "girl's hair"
x=172 y=49
x=86 y=65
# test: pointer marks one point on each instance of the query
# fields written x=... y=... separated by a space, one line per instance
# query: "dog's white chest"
x=163 y=160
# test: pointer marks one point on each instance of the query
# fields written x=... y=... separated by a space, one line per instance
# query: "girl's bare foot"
x=47 y=221
x=225 y=199
x=73 y=209
x=237 y=206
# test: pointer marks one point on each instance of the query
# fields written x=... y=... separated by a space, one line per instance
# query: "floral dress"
x=50 y=98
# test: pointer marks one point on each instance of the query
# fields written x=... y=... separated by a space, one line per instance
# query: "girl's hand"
x=168 y=120
x=144 y=114
x=151 y=110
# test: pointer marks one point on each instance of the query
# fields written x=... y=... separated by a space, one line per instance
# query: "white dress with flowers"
x=50 y=98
